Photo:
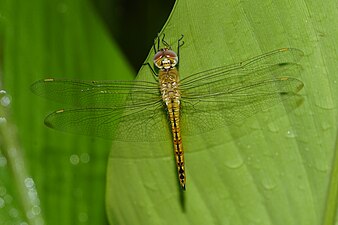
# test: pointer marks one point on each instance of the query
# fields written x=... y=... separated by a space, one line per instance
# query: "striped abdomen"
x=173 y=107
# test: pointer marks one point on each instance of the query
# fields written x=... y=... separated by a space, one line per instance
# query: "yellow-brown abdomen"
x=174 y=116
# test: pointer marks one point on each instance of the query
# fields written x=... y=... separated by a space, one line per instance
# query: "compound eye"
x=165 y=58
x=158 y=55
x=170 y=54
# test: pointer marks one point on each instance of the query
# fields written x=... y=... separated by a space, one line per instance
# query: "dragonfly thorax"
x=165 y=59
x=169 y=85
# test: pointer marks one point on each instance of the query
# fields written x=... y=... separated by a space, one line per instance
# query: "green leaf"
x=276 y=167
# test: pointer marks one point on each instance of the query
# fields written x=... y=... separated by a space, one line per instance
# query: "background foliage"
x=274 y=169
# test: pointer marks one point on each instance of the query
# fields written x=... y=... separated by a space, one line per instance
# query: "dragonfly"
x=169 y=108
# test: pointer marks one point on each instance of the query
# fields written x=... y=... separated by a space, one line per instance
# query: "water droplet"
x=74 y=159
x=326 y=105
x=5 y=101
x=273 y=128
x=85 y=157
x=29 y=182
x=269 y=183
x=325 y=125
x=322 y=166
x=235 y=162
x=8 y=198
x=36 y=210
x=290 y=134
x=255 y=126
x=33 y=195
x=13 y=212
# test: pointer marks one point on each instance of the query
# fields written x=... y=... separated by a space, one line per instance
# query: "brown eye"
x=158 y=55
x=170 y=54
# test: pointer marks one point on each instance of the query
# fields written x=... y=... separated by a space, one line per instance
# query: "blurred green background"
x=278 y=168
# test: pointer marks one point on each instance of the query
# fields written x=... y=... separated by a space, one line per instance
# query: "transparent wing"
x=80 y=94
x=144 y=122
x=119 y=110
x=231 y=94
x=276 y=57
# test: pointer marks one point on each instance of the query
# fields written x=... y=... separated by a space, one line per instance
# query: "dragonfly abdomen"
x=173 y=107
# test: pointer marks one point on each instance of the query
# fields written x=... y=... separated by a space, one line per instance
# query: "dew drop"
x=325 y=125
x=322 y=166
x=290 y=134
x=85 y=158
x=268 y=183
x=5 y=99
x=74 y=159
x=36 y=210
x=29 y=183
x=13 y=212
x=234 y=163
x=273 y=128
x=8 y=198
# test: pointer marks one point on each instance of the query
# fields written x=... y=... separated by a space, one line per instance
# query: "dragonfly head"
x=165 y=59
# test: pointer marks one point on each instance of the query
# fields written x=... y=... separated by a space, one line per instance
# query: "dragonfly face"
x=165 y=59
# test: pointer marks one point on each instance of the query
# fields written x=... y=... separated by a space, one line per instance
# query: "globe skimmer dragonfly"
x=136 y=111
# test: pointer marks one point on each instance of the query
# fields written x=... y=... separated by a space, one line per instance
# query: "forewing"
x=276 y=57
x=78 y=93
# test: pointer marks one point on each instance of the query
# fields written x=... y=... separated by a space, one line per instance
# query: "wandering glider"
x=149 y=110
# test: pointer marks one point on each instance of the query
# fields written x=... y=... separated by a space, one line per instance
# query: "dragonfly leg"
x=151 y=69
x=165 y=43
x=157 y=40
x=180 y=43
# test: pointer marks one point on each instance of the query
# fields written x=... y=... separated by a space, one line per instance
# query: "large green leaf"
x=276 y=167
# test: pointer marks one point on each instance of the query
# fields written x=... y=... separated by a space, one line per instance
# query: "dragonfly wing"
x=146 y=122
x=277 y=57
x=231 y=99
x=80 y=94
